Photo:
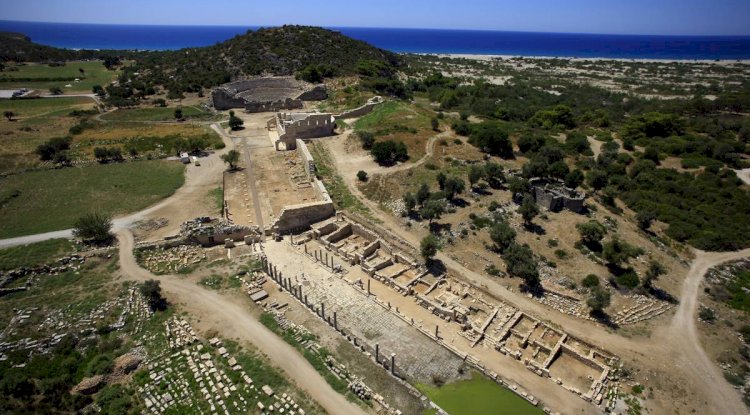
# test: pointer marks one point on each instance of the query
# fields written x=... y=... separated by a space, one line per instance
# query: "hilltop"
x=276 y=51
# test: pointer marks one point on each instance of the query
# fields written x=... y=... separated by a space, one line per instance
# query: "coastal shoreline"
x=488 y=57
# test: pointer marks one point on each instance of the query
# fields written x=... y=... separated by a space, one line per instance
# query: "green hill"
x=277 y=51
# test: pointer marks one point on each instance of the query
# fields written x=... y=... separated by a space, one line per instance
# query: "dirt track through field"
x=683 y=334
x=233 y=321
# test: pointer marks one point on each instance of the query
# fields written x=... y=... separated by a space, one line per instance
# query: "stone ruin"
x=62 y=265
x=210 y=231
x=554 y=196
x=292 y=126
x=265 y=94
x=575 y=365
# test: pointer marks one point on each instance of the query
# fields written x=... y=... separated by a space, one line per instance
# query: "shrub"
x=628 y=279
x=362 y=176
x=590 y=281
x=94 y=227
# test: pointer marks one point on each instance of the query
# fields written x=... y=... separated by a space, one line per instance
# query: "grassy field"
x=400 y=121
x=54 y=199
x=43 y=77
x=34 y=254
x=158 y=114
x=36 y=120
x=478 y=396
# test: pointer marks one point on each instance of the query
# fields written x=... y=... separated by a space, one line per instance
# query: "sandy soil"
x=232 y=320
x=491 y=57
x=744 y=175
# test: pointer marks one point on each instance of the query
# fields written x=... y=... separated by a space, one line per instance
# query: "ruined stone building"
x=553 y=195
x=265 y=94
x=292 y=126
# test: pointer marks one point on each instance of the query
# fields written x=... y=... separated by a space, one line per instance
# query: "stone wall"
x=307 y=159
x=554 y=196
x=224 y=100
x=362 y=110
x=298 y=217
x=294 y=126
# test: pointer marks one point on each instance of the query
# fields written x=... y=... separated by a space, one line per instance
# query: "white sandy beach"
x=480 y=57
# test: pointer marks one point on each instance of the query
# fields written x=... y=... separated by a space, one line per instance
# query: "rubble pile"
x=171 y=260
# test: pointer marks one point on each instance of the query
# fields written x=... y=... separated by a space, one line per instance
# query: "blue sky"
x=669 y=17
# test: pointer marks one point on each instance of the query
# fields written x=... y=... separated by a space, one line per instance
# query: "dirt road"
x=744 y=175
x=234 y=321
x=683 y=334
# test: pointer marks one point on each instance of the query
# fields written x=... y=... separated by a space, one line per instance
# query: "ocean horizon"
x=432 y=41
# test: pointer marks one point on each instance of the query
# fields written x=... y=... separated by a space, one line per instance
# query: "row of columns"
x=296 y=291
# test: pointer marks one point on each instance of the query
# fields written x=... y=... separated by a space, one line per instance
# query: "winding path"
x=234 y=321
x=683 y=334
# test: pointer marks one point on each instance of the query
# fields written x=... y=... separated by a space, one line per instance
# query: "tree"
x=502 y=235
x=652 y=154
x=528 y=209
x=432 y=209
x=151 y=290
x=441 y=178
x=435 y=124
x=518 y=185
x=597 y=179
x=645 y=218
x=617 y=251
x=111 y=61
x=231 y=158
x=362 y=176
x=654 y=271
x=81 y=71
x=493 y=173
x=492 y=138
x=423 y=193
x=367 y=139
x=235 y=123
x=592 y=233
x=98 y=90
x=599 y=299
x=428 y=248
x=410 y=202
x=476 y=173
x=453 y=186
x=521 y=263
x=388 y=152
x=178 y=114
x=559 y=169
x=590 y=281
x=53 y=146
x=95 y=227
x=574 y=179
x=9 y=115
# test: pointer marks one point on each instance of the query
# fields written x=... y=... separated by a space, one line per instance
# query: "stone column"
x=393 y=364
x=437 y=328
x=377 y=353
x=368 y=286
x=335 y=321
x=323 y=310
